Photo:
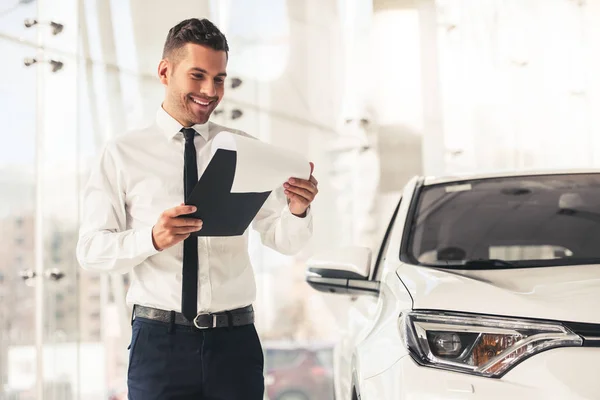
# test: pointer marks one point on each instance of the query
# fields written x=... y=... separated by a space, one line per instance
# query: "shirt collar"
x=170 y=127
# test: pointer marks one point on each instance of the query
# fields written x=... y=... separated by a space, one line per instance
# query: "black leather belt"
x=225 y=319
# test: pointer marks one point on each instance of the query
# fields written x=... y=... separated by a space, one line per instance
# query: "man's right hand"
x=170 y=229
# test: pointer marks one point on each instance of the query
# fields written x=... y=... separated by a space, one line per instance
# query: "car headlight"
x=479 y=345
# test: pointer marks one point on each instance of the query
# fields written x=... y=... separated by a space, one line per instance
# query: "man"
x=193 y=335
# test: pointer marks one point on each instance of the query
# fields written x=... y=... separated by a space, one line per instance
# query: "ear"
x=163 y=71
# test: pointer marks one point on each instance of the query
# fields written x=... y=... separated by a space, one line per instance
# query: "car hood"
x=568 y=293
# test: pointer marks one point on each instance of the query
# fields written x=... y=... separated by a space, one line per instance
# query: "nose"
x=208 y=88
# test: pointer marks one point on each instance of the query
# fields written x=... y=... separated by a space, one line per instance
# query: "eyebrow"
x=223 y=74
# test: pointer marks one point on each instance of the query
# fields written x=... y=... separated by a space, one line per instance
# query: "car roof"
x=434 y=180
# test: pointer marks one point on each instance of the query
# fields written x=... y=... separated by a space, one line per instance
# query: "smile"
x=204 y=103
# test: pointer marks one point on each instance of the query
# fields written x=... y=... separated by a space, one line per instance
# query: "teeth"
x=200 y=102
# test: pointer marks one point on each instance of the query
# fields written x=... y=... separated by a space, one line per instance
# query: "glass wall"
x=520 y=87
x=86 y=72
x=40 y=338
x=17 y=222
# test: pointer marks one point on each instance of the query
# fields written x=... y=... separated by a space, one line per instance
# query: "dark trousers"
x=183 y=363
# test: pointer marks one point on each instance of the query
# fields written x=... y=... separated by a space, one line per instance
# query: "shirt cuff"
x=294 y=220
x=143 y=240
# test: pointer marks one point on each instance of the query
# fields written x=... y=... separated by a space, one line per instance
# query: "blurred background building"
x=372 y=91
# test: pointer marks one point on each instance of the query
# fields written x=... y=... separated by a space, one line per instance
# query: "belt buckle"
x=214 y=322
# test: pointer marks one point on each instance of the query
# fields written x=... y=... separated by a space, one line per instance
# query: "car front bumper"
x=565 y=374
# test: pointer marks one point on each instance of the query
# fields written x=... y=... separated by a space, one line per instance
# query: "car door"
x=360 y=319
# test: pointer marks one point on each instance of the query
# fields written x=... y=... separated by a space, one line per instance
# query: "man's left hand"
x=301 y=193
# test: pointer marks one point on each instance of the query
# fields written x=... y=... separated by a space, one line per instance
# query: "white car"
x=484 y=288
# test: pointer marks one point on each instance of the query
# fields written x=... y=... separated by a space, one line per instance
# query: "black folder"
x=223 y=213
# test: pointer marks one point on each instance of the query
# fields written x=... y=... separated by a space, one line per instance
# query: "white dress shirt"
x=138 y=176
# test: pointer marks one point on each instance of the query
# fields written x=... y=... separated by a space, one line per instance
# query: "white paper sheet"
x=260 y=167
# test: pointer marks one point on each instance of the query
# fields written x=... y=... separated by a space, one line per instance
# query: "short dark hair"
x=194 y=30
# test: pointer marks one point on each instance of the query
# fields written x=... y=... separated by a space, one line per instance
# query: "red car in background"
x=295 y=371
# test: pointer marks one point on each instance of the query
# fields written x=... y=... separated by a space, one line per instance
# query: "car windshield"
x=504 y=222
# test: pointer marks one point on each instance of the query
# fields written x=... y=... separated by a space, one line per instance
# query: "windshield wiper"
x=489 y=263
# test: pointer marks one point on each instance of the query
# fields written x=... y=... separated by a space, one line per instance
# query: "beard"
x=198 y=109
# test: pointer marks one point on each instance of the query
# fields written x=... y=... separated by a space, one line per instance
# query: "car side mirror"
x=342 y=271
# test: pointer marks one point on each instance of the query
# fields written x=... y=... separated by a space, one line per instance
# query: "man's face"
x=195 y=82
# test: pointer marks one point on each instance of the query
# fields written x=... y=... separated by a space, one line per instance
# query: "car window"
x=280 y=358
x=325 y=358
x=527 y=221
x=378 y=266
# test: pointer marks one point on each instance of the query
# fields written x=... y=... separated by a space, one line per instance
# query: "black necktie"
x=189 y=285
